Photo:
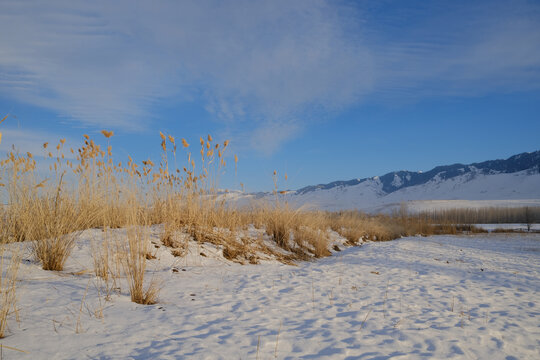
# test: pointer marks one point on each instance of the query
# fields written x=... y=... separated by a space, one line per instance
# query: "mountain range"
x=509 y=182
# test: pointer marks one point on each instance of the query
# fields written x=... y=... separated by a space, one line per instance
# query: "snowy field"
x=470 y=297
x=466 y=191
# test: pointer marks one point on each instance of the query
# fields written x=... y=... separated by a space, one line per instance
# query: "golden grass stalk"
x=53 y=253
x=107 y=134
x=134 y=261
x=1 y=121
x=111 y=194
x=314 y=240
x=8 y=282
x=101 y=254
x=53 y=223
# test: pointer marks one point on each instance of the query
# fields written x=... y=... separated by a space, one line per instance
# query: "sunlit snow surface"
x=465 y=191
x=474 y=297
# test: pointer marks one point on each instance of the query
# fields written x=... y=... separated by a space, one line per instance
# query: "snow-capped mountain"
x=511 y=182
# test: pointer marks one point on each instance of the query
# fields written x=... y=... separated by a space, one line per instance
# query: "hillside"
x=511 y=182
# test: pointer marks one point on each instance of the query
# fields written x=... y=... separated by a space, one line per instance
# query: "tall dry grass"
x=183 y=198
x=90 y=188
x=357 y=226
x=42 y=211
x=8 y=274
x=54 y=230
x=133 y=258
x=305 y=233
x=8 y=280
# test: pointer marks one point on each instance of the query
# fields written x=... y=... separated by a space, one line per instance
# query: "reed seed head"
x=107 y=134
x=1 y=121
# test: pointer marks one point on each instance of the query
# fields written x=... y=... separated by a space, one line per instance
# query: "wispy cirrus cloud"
x=260 y=67
x=23 y=141
x=110 y=63
x=458 y=49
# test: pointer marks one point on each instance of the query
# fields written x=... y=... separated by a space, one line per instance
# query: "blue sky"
x=320 y=90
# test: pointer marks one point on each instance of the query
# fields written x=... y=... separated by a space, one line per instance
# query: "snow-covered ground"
x=471 y=190
x=471 y=297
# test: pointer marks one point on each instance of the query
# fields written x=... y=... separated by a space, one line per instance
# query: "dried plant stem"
x=8 y=282
x=258 y=344
x=78 y=326
x=365 y=319
x=134 y=262
x=277 y=339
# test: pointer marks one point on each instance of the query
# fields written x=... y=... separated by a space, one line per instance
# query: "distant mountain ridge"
x=502 y=183
x=398 y=180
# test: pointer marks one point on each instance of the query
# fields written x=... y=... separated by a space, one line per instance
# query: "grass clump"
x=8 y=281
x=314 y=240
x=89 y=188
x=55 y=231
x=279 y=223
x=133 y=257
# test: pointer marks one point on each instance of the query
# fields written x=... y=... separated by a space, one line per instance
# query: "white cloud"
x=470 y=50
x=269 y=137
x=108 y=63
x=257 y=64
x=24 y=140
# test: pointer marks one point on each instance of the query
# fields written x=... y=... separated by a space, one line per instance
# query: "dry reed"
x=134 y=262
x=8 y=281
x=100 y=191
